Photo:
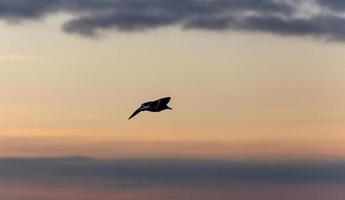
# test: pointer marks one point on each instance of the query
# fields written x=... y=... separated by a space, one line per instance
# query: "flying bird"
x=153 y=106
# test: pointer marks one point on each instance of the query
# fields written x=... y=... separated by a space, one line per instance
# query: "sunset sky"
x=249 y=80
x=257 y=92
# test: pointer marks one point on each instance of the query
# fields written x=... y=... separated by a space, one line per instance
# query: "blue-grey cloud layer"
x=132 y=173
x=90 y=17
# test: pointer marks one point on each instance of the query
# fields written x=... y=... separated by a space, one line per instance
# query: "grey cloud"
x=135 y=173
x=91 y=17
x=330 y=28
x=124 y=22
x=336 y=5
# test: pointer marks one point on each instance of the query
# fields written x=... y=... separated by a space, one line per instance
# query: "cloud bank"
x=138 y=173
x=318 y=18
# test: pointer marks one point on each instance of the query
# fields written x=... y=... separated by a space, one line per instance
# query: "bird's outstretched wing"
x=164 y=101
x=135 y=113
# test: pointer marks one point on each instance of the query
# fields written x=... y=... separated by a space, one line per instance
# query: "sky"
x=250 y=81
x=72 y=73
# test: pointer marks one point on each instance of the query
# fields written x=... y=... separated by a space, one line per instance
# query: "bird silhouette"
x=153 y=106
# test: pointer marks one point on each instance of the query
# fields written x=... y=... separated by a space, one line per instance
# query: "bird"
x=153 y=106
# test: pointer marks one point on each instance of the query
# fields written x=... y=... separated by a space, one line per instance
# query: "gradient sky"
x=68 y=87
x=257 y=87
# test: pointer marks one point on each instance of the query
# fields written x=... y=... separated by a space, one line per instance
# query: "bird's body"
x=153 y=106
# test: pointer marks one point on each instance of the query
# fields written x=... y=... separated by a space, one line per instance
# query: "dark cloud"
x=91 y=17
x=336 y=5
x=132 y=173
